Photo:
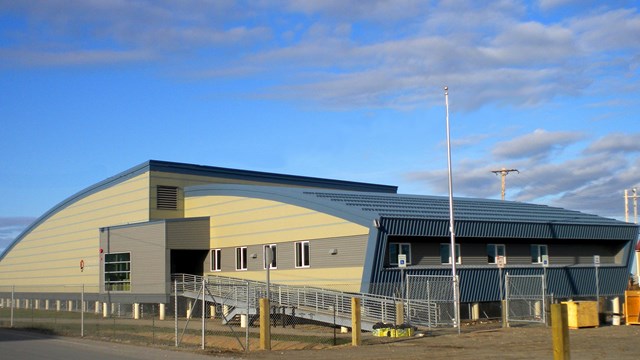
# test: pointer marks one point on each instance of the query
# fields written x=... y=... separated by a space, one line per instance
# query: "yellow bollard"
x=560 y=332
x=399 y=313
x=356 y=326
x=265 y=325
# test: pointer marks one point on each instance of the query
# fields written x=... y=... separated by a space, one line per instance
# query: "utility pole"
x=634 y=191
x=503 y=173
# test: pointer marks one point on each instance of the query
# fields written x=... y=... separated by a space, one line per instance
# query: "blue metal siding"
x=428 y=217
x=499 y=229
x=482 y=284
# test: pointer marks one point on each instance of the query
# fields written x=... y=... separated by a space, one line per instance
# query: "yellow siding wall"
x=240 y=221
x=51 y=253
x=182 y=181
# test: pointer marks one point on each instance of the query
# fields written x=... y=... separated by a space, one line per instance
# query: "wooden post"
x=505 y=320
x=265 y=325
x=560 y=332
x=399 y=313
x=355 y=322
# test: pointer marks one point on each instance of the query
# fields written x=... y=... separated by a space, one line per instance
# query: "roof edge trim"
x=275 y=178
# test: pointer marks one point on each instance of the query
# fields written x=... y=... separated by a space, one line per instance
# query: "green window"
x=396 y=249
x=117 y=272
x=241 y=258
x=494 y=251
x=537 y=251
x=302 y=254
x=445 y=254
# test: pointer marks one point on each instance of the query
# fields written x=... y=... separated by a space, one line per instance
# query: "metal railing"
x=319 y=304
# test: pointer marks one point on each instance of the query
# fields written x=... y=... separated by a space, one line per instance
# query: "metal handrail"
x=375 y=308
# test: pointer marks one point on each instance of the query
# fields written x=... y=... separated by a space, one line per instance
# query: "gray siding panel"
x=350 y=252
x=188 y=234
x=474 y=254
x=228 y=259
x=146 y=243
x=286 y=256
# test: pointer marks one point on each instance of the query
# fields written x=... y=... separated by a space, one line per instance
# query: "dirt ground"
x=531 y=342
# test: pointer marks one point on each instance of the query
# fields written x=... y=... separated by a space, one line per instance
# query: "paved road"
x=17 y=344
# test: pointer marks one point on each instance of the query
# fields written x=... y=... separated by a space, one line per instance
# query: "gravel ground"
x=531 y=342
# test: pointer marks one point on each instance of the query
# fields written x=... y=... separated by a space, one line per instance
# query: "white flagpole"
x=456 y=305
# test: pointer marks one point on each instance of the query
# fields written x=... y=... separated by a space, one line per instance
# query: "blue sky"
x=341 y=89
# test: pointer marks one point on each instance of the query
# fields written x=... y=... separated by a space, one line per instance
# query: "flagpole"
x=456 y=305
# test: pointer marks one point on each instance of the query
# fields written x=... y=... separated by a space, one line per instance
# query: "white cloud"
x=379 y=10
x=72 y=57
x=551 y=4
x=616 y=143
x=348 y=54
x=615 y=29
x=539 y=144
x=10 y=228
x=593 y=182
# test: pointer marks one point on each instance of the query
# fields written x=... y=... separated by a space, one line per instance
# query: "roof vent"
x=167 y=197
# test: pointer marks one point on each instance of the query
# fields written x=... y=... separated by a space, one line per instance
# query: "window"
x=265 y=254
x=167 y=197
x=536 y=253
x=445 y=254
x=396 y=249
x=495 y=250
x=215 y=260
x=241 y=258
x=302 y=254
x=117 y=272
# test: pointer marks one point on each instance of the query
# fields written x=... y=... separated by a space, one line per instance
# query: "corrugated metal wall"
x=430 y=227
x=481 y=283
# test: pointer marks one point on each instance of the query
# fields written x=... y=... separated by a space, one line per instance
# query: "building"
x=123 y=237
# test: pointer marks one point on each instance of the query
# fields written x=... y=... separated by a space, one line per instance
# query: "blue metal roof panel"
x=414 y=215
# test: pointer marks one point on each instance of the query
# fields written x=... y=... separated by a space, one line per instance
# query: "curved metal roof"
x=201 y=170
x=363 y=208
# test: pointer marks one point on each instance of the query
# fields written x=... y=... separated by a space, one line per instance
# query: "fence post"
x=505 y=303
x=203 y=311
x=356 y=326
x=408 y=290
x=246 y=331
x=175 y=308
x=82 y=312
x=560 y=331
x=13 y=299
x=265 y=326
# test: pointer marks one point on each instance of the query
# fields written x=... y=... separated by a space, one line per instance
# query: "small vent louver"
x=167 y=197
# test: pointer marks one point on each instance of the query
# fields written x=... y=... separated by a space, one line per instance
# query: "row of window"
x=494 y=253
x=270 y=256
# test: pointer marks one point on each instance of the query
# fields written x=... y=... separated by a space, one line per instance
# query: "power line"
x=503 y=173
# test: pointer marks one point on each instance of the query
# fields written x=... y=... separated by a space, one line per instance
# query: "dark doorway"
x=188 y=261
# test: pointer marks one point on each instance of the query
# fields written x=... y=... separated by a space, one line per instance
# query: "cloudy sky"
x=342 y=89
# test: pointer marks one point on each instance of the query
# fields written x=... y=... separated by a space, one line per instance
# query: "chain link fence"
x=525 y=298
x=225 y=323
x=224 y=313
